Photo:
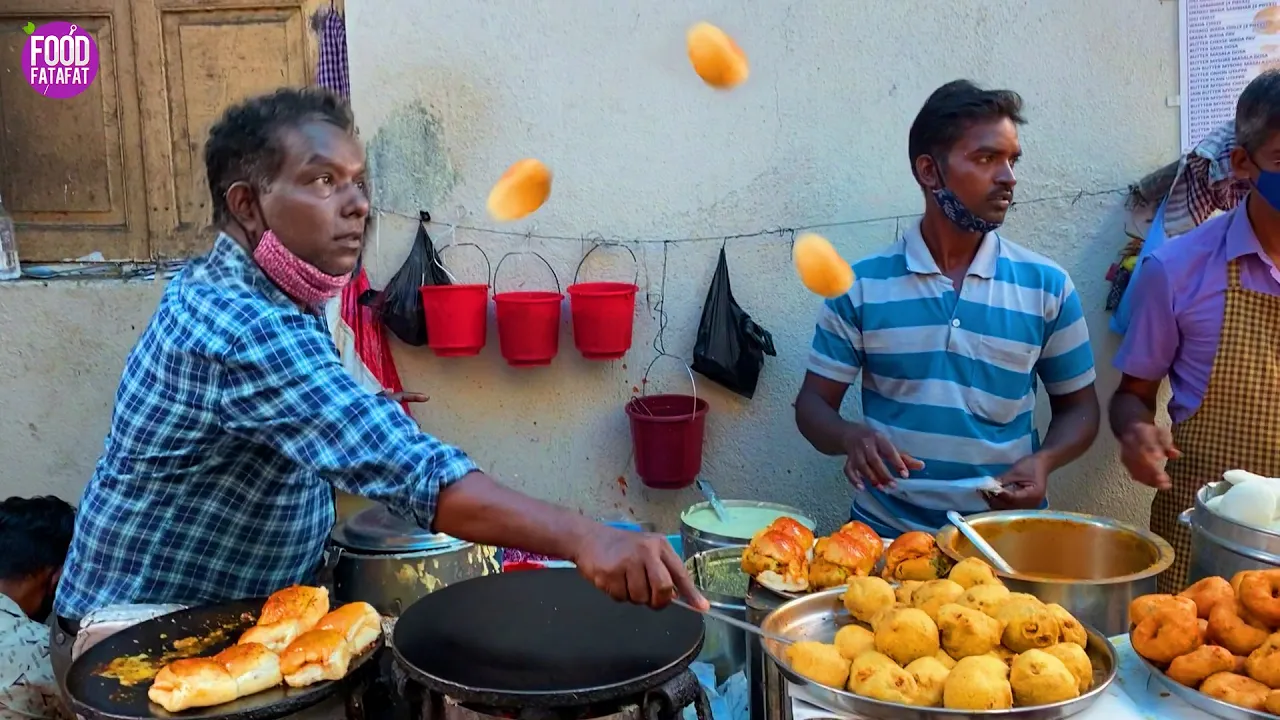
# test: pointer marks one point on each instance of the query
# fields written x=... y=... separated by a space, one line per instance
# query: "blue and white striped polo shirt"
x=951 y=379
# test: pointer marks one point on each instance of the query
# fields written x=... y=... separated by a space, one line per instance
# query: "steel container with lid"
x=390 y=563
x=1221 y=546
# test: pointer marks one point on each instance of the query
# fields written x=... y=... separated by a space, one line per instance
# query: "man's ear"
x=55 y=576
x=927 y=172
x=1242 y=165
x=241 y=203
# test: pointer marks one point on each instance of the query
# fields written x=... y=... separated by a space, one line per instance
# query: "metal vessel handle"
x=1184 y=517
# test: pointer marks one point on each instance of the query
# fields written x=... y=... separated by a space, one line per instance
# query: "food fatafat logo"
x=60 y=59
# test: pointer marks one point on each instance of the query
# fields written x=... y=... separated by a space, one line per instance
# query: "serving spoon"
x=979 y=542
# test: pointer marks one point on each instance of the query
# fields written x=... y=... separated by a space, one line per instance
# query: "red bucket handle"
x=440 y=253
x=644 y=384
x=608 y=243
x=524 y=252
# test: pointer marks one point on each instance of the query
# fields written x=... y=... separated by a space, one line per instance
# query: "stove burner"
x=664 y=702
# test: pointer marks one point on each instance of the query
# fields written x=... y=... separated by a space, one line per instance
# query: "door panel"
x=70 y=171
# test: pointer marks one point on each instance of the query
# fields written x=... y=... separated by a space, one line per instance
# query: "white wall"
x=448 y=94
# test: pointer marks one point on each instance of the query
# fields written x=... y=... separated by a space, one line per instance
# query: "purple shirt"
x=1183 y=286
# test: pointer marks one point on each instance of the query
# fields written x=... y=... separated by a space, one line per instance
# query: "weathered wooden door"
x=119 y=169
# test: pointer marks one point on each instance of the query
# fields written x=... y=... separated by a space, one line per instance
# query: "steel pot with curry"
x=1091 y=565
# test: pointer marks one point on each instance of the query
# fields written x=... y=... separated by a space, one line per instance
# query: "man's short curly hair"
x=244 y=145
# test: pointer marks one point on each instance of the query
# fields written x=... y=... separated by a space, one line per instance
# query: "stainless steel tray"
x=819 y=616
x=1200 y=701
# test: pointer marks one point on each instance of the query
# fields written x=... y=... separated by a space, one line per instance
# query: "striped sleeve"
x=837 y=341
x=1066 y=361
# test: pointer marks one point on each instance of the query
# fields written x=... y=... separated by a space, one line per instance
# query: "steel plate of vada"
x=1215 y=645
x=958 y=646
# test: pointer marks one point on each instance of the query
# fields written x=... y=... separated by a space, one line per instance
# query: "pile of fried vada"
x=1217 y=636
x=962 y=641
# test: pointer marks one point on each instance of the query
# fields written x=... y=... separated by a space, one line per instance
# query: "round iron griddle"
x=541 y=638
x=101 y=698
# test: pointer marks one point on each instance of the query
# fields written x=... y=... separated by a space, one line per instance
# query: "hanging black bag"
x=399 y=305
x=731 y=347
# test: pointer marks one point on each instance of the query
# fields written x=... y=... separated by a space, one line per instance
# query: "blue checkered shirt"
x=233 y=421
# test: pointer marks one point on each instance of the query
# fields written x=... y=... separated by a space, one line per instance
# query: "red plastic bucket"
x=457 y=318
x=528 y=322
x=528 y=326
x=667 y=433
x=603 y=318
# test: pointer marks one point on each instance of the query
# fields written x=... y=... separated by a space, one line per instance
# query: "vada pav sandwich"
x=316 y=655
x=777 y=560
x=852 y=551
x=915 y=556
x=192 y=683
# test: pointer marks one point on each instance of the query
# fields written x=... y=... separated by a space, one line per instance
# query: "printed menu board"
x=1223 y=45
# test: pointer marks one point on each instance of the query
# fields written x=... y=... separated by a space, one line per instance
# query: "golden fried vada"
x=1004 y=655
x=905 y=589
x=1196 y=666
x=1169 y=633
x=820 y=662
x=1038 y=678
x=1263 y=664
x=934 y=594
x=1234 y=629
x=985 y=599
x=1077 y=661
x=906 y=635
x=915 y=556
x=931 y=680
x=1028 y=625
x=1236 y=690
x=1260 y=595
x=971 y=572
x=978 y=683
x=967 y=632
x=854 y=640
x=946 y=660
x=1069 y=628
x=1207 y=593
x=878 y=677
x=867 y=596
x=1272 y=704
x=1239 y=578
x=1147 y=605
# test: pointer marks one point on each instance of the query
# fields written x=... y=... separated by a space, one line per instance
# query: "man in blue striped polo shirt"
x=948 y=329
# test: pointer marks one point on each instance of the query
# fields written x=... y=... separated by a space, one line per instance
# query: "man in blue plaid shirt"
x=234 y=419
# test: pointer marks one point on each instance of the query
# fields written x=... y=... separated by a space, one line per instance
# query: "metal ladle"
x=979 y=542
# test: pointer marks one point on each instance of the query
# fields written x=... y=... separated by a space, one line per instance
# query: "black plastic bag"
x=731 y=346
x=399 y=305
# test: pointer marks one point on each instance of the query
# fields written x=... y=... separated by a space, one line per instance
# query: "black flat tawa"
x=541 y=638
x=215 y=627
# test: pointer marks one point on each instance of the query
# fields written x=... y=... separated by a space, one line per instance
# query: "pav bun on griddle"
x=358 y=622
x=316 y=656
x=192 y=683
x=252 y=665
x=716 y=57
x=275 y=637
x=299 y=602
x=521 y=190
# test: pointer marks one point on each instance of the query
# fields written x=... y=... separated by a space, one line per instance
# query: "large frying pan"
x=541 y=638
x=101 y=698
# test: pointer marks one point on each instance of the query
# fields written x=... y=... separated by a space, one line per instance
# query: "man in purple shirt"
x=1206 y=315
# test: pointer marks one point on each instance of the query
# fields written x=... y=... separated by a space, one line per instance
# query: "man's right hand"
x=1144 y=448
x=866 y=453
x=635 y=567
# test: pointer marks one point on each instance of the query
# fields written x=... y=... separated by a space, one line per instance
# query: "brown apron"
x=1237 y=424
